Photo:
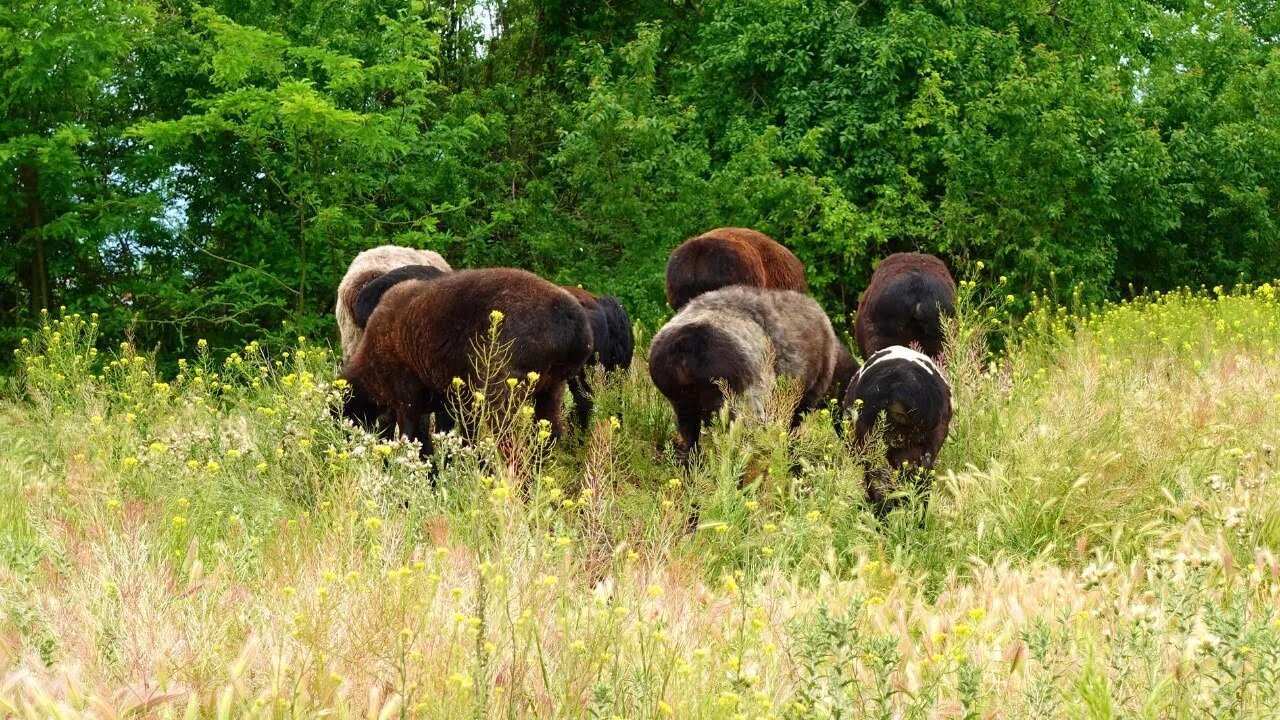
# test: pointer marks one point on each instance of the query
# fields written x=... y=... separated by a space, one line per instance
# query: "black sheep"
x=904 y=304
x=612 y=340
x=905 y=392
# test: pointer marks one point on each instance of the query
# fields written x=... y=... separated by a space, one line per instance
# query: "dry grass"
x=1102 y=542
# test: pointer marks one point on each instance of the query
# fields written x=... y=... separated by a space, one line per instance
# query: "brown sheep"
x=907 y=393
x=367 y=266
x=422 y=335
x=745 y=337
x=730 y=256
x=904 y=304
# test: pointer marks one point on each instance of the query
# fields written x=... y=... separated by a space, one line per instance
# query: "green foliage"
x=69 y=217
x=208 y=170
x=323 y=148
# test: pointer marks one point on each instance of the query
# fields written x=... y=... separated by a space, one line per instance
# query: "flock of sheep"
x=409 y=323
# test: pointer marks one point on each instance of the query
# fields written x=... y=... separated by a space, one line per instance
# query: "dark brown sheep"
x=904 y=392
x=744 y=337
x=423 y=333
x=613 y=345
x=904 y=304
x=731 y=256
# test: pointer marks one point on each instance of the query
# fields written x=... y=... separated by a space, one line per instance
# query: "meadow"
x=1101 y=540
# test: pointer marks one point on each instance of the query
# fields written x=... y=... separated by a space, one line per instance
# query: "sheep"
x=367 y=266
x=613 y=345
x=744 y=337
x=372 y=416
x=904 y=304
x=371 y=294
x=911 y=393
x=730 y=256
x=422 y=334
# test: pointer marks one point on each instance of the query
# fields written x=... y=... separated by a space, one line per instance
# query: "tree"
x=295 y=158
x=62 y=199
x=208 y=170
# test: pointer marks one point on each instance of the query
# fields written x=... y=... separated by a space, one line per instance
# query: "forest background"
x=207 y=170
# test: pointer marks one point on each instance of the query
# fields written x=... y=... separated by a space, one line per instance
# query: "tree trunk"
x=37 y=276
x=302 y=259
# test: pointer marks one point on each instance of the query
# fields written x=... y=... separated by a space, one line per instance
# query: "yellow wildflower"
x=730 y=585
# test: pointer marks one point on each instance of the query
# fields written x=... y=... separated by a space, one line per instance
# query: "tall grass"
x=1101 y=541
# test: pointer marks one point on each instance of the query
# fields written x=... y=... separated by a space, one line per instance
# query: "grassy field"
x=1102 y=542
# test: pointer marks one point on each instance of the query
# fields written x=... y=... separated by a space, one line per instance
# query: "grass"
x=1102 y=541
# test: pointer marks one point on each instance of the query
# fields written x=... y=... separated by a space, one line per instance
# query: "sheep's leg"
x=412 y=426
x=444 y=419
x=548 y=405
x=689 y=423
x=413 y=404
x=878 y=482
x=385 y=425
